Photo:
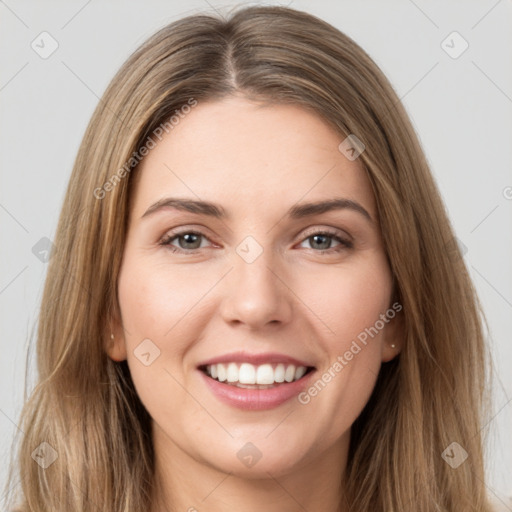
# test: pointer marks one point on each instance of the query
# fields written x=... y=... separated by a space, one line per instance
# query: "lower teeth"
x=251 y=386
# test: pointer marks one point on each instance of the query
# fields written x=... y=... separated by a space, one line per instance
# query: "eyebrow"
x=298 y=211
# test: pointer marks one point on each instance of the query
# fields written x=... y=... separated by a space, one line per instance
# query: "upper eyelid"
x=332 y=231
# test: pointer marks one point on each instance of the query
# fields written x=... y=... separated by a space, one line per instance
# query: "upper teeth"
x=246 y=373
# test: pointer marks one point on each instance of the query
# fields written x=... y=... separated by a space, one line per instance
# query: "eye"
x=323 y=240
x=191 y=241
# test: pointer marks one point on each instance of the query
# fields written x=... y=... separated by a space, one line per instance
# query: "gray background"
x=461 y=108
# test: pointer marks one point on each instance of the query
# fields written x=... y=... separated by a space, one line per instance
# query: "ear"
x=115 y=343
x=393 y=337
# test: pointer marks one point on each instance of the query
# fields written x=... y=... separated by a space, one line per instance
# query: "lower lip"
x=256 y=399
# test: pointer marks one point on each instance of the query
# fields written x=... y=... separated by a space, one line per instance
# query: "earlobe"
x=392 y=342
x=116 y=348
x=390 y=351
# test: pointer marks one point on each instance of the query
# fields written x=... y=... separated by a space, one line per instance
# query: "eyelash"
x=168 y=238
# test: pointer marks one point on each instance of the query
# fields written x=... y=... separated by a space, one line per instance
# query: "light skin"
x=256 y=162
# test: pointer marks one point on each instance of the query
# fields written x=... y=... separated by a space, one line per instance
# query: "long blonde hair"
x=85 y=406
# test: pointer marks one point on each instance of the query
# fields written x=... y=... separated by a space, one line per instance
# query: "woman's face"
x=258 y=282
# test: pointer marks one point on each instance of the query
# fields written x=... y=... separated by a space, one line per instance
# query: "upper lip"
x=255 y=359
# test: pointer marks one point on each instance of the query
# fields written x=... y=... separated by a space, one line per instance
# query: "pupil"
x=325 y=237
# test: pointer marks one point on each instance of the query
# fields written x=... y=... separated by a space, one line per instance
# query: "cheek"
x=153 y=306
x=159 y=326
x=350 y=304
x=166 y=305
x=349 y=301
x=155 y=300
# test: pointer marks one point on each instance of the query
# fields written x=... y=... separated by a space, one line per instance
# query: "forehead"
x=248 y=155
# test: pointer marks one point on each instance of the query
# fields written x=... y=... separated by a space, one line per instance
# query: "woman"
x=253 y=369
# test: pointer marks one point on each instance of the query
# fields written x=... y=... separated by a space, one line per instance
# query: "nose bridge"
x=253 y=262
x=255 y=295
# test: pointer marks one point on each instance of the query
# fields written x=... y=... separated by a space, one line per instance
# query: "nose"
x=256 y=293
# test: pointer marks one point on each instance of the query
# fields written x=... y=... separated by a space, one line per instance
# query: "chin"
x=255 y=460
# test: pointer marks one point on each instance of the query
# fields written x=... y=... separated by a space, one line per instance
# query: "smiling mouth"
x=249 y=376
